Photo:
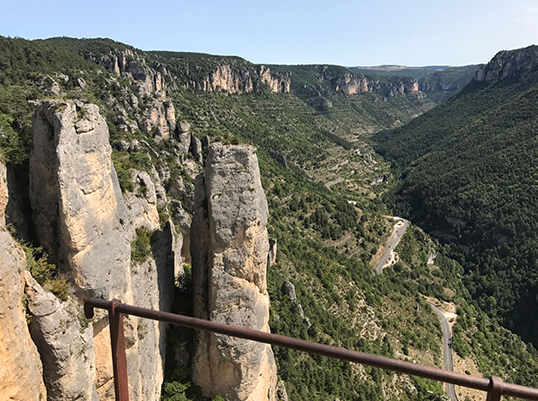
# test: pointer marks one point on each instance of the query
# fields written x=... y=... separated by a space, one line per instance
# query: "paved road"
x=339 y=180
x=397 y=234
x=447 y=351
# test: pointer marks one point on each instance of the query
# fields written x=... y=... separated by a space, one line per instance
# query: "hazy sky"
x=350 y=33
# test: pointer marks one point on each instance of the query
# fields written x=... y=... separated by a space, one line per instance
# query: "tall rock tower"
x=86 y=226
x=229 y=248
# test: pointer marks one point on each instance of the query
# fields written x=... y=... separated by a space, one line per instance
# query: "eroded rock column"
x=83 y=223
x=76 y=199
x=229 y=259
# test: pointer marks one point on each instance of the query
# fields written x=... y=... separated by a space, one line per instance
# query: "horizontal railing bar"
x=446 y=376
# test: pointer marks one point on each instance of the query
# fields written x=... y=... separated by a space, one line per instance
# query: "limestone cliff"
x=154 y=76
x=508 y=64
x=242 y=81
x=85 y=225
x=76 y=199
x=352 y=83
x=154 y=114
x=65 y=346
x=229 y=258
x=131 y=63
x=21 y=368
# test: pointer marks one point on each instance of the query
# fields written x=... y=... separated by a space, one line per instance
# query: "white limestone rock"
x=83 y=223
x=229 y=247
x=65 y=346
x=76 y=198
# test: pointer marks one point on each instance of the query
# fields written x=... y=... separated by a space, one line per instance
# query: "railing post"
x=495 y=389
x=119 y=358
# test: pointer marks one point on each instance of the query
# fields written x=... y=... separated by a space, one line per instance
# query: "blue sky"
x=350 y=33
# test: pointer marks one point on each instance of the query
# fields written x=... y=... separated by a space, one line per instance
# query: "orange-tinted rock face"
x=21 y=369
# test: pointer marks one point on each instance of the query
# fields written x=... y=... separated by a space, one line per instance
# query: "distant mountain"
x=469 y=177
x=361 y=103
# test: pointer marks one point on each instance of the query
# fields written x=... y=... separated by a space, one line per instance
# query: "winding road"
x=397 y=234
x=447 y=351
x=337 y=181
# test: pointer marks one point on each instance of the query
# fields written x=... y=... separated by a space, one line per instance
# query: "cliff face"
x=21 y=368
x=155 y=76
x=76 y=199
x=131 y=64
x=157 y=117
x=242 y=81
x=86 y=226
x=65 y=346
x=352 y=83
x=229 y=274
x=508 y=64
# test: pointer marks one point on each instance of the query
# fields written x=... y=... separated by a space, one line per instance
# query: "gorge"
x=167 y=180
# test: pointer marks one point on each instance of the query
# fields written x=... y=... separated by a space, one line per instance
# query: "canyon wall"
x=157 y=76
x=242 y=81
x=87 y=227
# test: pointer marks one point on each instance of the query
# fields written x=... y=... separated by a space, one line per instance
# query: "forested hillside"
x=315 y=134
x=469 y=170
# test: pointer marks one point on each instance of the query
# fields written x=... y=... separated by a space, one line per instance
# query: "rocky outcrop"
x=84 y=224
x=271 y=257
x=508 y=64
x=242 y=80
x=229 y=247
x=281 y=393
x=21 y=369
x=153 y=112
x=289 y=290
x=196 y=149
x=352 y=83
x=159 y=118
x=130 y=63
x=76 y=199
x=65 y=346
x=403 y=85
x=184 y=127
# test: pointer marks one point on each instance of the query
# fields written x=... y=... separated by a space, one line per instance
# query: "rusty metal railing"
x=494 y=386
